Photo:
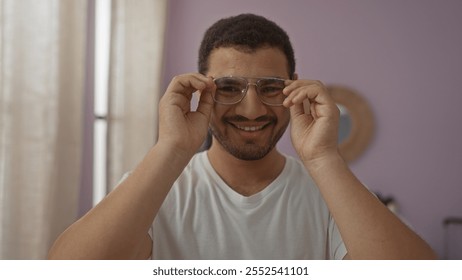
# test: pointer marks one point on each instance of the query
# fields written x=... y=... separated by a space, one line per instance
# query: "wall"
x=404 y=57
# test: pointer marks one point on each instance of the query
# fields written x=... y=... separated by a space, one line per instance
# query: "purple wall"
x=404 y=57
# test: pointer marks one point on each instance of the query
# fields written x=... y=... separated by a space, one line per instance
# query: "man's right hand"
x=179 y=127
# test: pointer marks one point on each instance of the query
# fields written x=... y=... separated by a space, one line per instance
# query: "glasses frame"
x=246 y=89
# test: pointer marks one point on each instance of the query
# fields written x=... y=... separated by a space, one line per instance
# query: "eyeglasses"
x=231 y=90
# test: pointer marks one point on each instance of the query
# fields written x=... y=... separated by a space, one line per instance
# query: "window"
x=102 y=47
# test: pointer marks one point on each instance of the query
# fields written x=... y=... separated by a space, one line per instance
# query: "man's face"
x=248 y=130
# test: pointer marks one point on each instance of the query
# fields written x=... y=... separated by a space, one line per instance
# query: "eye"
x=229 y=89
x=229 y=86
x=271 y=89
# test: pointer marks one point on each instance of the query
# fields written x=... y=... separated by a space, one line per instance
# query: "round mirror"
x=356 y=126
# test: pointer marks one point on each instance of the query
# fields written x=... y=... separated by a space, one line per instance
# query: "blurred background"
x=80 y=81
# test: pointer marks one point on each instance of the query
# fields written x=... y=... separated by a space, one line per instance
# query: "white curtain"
x=42 y=84
x=137 y=34
x=42 y=55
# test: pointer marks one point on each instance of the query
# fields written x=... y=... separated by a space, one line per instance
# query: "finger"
x=298 y=94
x=296 y=110
x=188 y=83
x=313 y=92
x=306 y=107
x=298 y=116
x=292 y=84
x=205 y=105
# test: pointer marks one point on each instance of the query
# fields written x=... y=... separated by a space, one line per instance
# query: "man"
x=242 y=199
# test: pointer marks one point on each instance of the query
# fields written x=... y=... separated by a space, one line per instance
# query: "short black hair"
x=246 y=32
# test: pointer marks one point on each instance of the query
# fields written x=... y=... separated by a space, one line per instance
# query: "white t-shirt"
x=203 y=218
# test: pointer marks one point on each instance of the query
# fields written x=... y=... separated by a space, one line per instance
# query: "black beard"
x=250 y=150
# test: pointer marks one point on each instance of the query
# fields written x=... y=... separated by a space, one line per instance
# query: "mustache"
x=239 y=118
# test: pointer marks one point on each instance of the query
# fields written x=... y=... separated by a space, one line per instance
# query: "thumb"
x=300 y=109
x=205 y=102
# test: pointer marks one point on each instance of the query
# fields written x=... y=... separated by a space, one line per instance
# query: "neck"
x=246 y=177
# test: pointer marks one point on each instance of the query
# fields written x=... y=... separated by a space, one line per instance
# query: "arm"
x=368 y=228
x=117 y=228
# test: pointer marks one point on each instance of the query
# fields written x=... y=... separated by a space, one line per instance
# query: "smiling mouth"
x=250 y=128
x=246 y=125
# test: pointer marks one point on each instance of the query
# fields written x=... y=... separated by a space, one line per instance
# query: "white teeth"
x=250 y=128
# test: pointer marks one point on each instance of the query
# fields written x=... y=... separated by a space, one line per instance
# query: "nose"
x=251 y=106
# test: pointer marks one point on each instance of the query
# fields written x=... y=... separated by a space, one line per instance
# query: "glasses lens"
x=270 y=91
x=229 y=89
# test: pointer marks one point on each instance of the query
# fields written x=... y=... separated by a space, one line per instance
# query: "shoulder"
x=197 y=173
x=197 y=166
x=300 y=183
x=295 y=170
